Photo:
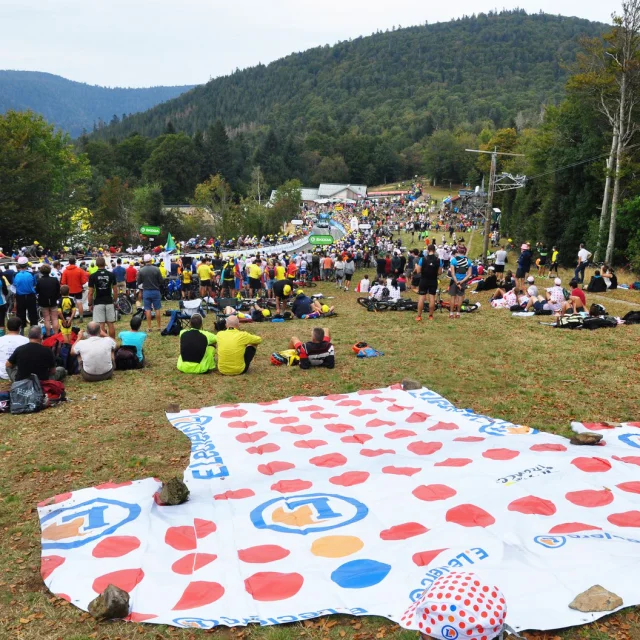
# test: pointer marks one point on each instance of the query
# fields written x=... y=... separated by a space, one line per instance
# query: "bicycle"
x=125 y=303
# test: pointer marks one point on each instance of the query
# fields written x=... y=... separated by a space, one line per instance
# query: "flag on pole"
x=171 y=245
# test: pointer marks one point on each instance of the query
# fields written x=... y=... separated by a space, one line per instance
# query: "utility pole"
x=504 y=182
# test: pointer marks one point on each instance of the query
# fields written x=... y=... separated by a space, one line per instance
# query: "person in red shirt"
x=75 y=278
x=577 y=300
x=131 y=275
x=292 y=270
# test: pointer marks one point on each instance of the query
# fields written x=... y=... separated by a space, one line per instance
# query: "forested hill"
x=74 y=106
x=474 y=69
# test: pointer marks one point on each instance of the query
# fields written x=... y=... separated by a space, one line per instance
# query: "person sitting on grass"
x=134 y=339
x=317 y=353
x=379 y=290
x=597 y=284
x=197 y=355
x=96 y=351
x=33 y=357
x=553 y=300
x=236 y=349
x=305 y=308
x=364 y=285
x=577 y=301
x=490 y=282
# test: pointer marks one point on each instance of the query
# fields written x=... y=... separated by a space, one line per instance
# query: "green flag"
x=171 y=245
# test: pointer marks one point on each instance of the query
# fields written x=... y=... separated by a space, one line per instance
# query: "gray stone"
x=173 y=492
x=588 y=437
x=112 y=603
x=174 y=407
x=411 y=385
x=596 y=599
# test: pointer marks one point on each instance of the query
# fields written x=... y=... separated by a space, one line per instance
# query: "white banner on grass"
x=355 y=503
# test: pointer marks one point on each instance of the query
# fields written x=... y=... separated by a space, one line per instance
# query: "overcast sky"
x=140 y=43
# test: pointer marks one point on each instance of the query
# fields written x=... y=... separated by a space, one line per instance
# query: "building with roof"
x=329 y=191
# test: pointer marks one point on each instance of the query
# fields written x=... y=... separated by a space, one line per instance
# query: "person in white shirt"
x=364 y=284
x=532 y=290
x=501 y=260
x=96 y=351
x=583 y=260
x=10 y=342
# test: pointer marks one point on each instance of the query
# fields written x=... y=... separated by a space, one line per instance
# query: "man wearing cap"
x=25 y=285
x=151 y=280
x=524 y=266
x=281 y=290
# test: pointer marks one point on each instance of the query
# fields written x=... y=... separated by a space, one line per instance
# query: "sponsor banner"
x=355 y=504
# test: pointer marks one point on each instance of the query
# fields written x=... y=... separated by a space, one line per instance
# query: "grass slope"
x=510 y=368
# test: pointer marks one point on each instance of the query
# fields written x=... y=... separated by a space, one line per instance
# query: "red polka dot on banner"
x=423 y=558
x=63 y=596
x=278 y=411
x=115 y=546
x=444 y=426
x=454 y=462
x=190 y=563
x=329 y=460
x=233 y=413
x=403 y=531
x=399 y=433
x=336 y=396
x=433 y=492
x=632 y=424
x=140 y=617
x=374 y=453
x=362 y=412
x=309 y=444
x=424 y=448
x=401 y=471
x=272 y=586
x=238 y=494
x=597 y=426
x=338 y=427
x=310 y=407
x=417 y=416
x=548 y=447
x=125 y=579
x=369 y=392
x=299 y=430
x=590 y=498
x=290 y=486
x=628 y=459
x=181 y=538
x=379 y=423
x=500 y=454
x=532 y=505
x=113 y=485
x=349 y=403
x=48 y=564
x=263 y=553
x=203 y=528
x=55 y=499
x=469 y=439
x=198 y=594
x=242 y=424
x=261 y=449
x=629 y=487
x=244 y=438
x=591 y=465
x=379 y=399
x=322 y=416
x=275 y=467
x=358 y=438
x=397 y=407
x=287 y=420
x=299 y=398
x=350 y=478
x=626 y=519
x=573 y=527
x=469 y=515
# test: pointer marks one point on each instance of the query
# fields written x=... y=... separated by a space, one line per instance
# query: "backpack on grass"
x=126 y=358
x=174 y=326
x=27 y=396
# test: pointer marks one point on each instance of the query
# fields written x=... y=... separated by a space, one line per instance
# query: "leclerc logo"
x=309 y=513
x=449 y=632
x=551 y=542
x=80 y=524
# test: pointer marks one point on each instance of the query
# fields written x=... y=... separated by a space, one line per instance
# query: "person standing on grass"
x=48 y=290
x=583 y=260
x=349 y=270
x=151 y=280
x=501 y=259
x=554 y=261
x=428 y=268
x=524 y=266
x=75 y=278
x=460 y=273
x=25 y=286
x=103 y=290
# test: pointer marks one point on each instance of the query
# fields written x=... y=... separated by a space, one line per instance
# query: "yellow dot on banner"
x=336 y=546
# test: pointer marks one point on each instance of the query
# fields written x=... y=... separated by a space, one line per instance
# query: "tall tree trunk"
x=605 y=198
x=616 y=183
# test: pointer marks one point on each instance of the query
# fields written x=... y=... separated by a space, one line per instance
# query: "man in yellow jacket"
x=236 y=348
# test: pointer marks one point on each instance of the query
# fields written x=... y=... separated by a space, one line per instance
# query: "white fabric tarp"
x=354 y=503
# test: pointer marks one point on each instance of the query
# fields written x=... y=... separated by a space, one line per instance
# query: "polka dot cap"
x=458 y=606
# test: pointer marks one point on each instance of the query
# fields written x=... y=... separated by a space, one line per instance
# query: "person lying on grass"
x=319 y=352
x=306 y=308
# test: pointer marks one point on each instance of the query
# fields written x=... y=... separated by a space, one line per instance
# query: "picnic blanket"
x=355 y=503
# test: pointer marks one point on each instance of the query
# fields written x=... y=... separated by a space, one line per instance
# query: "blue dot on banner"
x=359 y=574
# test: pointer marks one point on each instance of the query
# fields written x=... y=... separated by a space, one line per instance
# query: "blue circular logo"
x=449 y=632
x=550 y=542
x=630 y=439
x=309 y=513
